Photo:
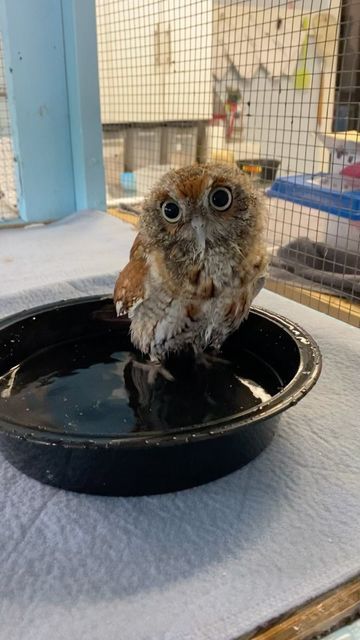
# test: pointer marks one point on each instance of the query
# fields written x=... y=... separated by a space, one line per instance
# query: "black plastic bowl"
x=77 y=410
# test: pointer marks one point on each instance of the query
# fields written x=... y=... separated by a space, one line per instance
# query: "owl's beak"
x=198 y=224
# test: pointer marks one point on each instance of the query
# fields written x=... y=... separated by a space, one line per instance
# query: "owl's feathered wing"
x=130 y=286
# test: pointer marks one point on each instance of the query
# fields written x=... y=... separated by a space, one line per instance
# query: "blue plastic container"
x=128 y=181
x=299 y=189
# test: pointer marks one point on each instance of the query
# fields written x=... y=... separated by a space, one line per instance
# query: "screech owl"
x=197 y=263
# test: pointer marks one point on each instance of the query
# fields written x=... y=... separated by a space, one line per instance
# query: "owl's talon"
x=158 y=369
x=208 y=360
x=154 y=369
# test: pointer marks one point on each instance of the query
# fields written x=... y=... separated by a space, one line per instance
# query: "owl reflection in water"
x=196 y=265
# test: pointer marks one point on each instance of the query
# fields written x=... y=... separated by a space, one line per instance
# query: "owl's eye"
x=171 y=211
x=220 y=198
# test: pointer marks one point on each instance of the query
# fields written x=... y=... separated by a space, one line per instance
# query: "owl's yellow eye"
x=220 y=198
x=171 y=211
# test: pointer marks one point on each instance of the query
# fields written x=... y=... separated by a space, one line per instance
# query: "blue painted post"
x=38 y=102
x=47 y=108
x=79 y=21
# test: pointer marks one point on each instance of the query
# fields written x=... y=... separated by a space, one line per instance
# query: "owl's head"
x=197 y=207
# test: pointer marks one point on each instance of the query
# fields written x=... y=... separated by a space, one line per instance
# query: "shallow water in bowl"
x=93 y=387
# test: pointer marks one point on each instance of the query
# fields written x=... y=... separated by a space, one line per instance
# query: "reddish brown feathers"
x=129 y=287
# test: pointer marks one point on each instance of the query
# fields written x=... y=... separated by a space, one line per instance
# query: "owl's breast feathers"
x=130 y=285
x=196 y=285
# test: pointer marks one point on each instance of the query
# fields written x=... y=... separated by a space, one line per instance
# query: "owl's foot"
x=153 y=368
x=208 y=360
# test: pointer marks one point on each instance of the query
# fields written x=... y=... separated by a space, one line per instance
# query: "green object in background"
x=303 y=75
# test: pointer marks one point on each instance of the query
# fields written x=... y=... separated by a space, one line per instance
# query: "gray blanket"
x=328 y=269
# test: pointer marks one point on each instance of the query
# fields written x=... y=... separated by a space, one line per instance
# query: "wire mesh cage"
x=8 y=195
x=271 y=87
